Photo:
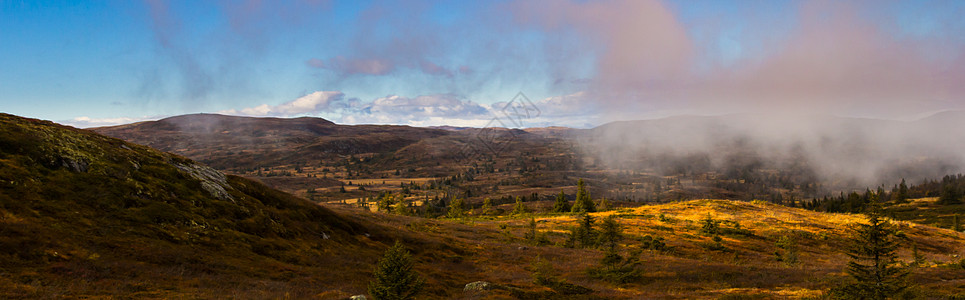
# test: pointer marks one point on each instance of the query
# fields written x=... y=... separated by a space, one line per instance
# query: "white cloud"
x=88 y=122
x=439 y=109
x=313 y=103
x=575 y=110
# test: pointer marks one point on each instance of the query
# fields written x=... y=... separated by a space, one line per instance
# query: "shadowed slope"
x=83 y=214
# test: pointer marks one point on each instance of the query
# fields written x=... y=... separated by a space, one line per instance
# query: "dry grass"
x=495 y=251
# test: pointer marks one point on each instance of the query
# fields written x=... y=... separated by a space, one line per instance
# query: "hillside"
x=84 y=215
x=690 y=265
x=229 y=142
x=775 y=158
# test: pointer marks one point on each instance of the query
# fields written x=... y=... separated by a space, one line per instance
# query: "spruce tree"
x=487 y=207
x=902 y=192
x=950 y=194
x=561 y=205
x=788 y=253
x=605 y=204
x=402 y=206
x=385 y=202
x=519 y=208
x=918 y=259
x=531 y=235
x=613 y=267
x=610 y=233
x=457 y=208
x=394 y=276
x=583 y=202
x=874 y=266
x=711 y=226
x=584 y=234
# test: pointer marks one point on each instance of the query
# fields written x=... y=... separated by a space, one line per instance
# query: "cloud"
x=431 y=68
x=219 y=64
x=838 y=57
x=87 y=122
x=313 y=103
x=378 y=66
x=315 y=63
x=353 y=66
x=446 y=108
x=638 y=42
x=438 y=109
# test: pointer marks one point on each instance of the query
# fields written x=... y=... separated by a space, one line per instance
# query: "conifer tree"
x=402 y=206
x=487 y=207
x=605 y=204
x=902 y=195
x=610 y=233
x=788 y=253
x=385 y=202
x=613 y=267
x=519 y=208
x=950 y=194
x=561 y=205
x=531 y=234
x=394 y=276
x=918 y=260
x=873 y=265
x=543 y=273
x=711 y=226
x=583 y=201
x=584 y=234
x=457 y=208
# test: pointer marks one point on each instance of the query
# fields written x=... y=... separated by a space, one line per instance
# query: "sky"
x=464 y=63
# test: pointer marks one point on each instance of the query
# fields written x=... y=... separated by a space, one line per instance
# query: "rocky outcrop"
x=212 y=181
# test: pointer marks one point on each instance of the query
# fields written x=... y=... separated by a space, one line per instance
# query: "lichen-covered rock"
x=477 y=286
x=212 y=181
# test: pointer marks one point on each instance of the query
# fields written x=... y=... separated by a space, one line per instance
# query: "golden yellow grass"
x=747 y=267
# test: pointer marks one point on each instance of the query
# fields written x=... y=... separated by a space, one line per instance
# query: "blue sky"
x=583 y=63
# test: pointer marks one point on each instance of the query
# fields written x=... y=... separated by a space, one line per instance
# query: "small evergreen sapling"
x=457 y=208
x=394 y=277
x=519 y=208
x=487 y=207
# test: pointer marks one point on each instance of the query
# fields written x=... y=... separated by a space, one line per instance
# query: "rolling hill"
x=229 y=142
x=84 y=215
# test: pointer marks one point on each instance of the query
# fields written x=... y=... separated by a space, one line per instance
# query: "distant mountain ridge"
x=845 y=150
x=231 y=141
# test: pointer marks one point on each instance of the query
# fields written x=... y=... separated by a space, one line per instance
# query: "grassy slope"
x=86 y=215
x=130 y=223
x=927 y=211
x=746 y=266
x=83 y=214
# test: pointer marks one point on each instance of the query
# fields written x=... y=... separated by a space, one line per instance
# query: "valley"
x=146 y=223
x=507 y=149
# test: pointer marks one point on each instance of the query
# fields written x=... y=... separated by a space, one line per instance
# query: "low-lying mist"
x=843 y=153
